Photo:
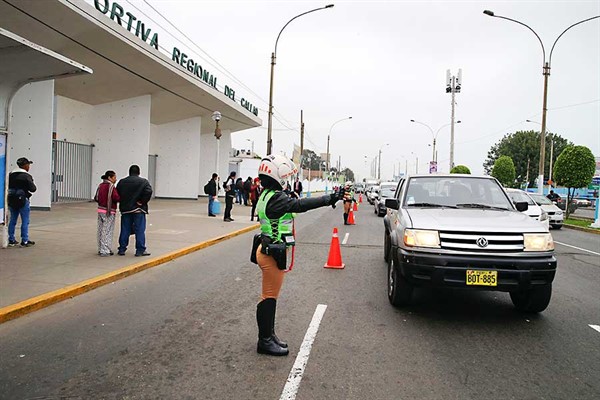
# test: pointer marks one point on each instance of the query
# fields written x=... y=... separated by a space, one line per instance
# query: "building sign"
x=136 y=26
x=432 y=167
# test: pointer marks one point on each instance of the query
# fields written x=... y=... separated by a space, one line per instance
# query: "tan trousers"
x=272 y=277
x=347 y=206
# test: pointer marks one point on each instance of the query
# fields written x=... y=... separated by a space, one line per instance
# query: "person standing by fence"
x=107 y=198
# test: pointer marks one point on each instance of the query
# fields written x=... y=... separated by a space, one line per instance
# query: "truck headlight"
x=538 y=242
x=559 y=213
x=421 y=238
x=544 y=216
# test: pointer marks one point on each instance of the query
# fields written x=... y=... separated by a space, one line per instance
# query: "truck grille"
x=482 y=242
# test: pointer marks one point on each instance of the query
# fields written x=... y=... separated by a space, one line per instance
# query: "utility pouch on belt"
x=279 y=253
x=256 y=241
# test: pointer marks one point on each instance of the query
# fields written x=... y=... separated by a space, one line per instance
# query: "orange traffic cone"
x=335 y=255
x=360 y=198
x=351 y=218
x=355 y=208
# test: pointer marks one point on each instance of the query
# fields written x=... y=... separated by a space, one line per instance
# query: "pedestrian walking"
x=255 y=191
x=247 y=187
x=239 y=190
x=272 y=247
x=107 y=198
x=298 y=187
x=229 y=196
x=135 y=193
x=211 y=189
x=20 y=188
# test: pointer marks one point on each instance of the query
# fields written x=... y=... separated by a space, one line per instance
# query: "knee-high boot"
x=275 y=338
x=345 y=219
x=265 y=314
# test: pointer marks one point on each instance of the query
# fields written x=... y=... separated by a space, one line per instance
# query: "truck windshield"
x=456 y=191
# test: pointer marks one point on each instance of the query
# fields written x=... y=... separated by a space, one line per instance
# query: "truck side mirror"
x=522 y=206
x=393 y=204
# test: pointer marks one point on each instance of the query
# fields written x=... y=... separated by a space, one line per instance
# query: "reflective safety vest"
x=276 y=229
x=348 y=195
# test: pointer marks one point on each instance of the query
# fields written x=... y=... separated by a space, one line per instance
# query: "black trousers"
x=228 y=207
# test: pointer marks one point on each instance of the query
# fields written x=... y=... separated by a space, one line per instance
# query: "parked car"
x=463 y=231
x=372 y=193
x=533 y=210
x=582 y=202
x=386 y=191
x=555 y=214
x=560 y=203
x=359 y=188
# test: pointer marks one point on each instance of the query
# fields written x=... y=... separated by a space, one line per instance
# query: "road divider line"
x=346 y=238
x=578 y=248
x=292 y=385
x=44 y=300
x=595 y=327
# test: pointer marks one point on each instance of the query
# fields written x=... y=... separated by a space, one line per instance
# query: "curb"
x=47 y=299
x=581 y=228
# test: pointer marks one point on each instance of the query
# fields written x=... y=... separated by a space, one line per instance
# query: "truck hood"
x=473 y=220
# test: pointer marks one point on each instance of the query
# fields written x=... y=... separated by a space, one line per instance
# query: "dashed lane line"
x=595 y=327
x=295 y=377
x=346 y=238
x=578 y=248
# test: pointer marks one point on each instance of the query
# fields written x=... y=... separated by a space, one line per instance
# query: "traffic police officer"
x=348 y=198
x=273 y=248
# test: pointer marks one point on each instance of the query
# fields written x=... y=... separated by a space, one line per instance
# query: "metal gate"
x=71 y=171
x=152 y=172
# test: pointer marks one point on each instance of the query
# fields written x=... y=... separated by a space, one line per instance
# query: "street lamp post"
x=379 y=167
x=329 y=136
x=551 y=151
x=216 y=116
x=273 y=58
x=434 y=156
x=546 y=72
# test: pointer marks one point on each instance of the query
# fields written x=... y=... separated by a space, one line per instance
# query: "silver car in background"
x=386 y=191
x=555 y=214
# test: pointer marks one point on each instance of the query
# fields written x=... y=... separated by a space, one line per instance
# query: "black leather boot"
x=346 y=219
x=275 y=338
x=265 y=311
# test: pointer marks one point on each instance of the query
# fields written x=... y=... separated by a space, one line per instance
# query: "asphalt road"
x=187 y=330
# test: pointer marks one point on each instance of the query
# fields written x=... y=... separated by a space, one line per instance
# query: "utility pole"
x=301 y=140
x=551 y=155
x=453 y=86
x=527 y=175
x=379 y=168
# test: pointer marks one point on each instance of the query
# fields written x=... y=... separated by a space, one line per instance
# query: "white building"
x=140 y=106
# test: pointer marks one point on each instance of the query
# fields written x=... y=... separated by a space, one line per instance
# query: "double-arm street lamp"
x=434 y=136
x=546 y=72
x=273 y=58
x=329 y=136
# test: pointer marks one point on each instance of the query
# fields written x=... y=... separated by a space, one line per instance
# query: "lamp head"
x=329 y=6
x=458 y=122
x=489 y=12
x=348 y=117
x=216 y=116
x=412 y=120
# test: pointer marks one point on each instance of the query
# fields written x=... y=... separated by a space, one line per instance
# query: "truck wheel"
x=399 y=290
x=386 y=246
x=533 y=300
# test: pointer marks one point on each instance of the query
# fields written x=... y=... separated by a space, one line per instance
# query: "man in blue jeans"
x=135 y=193
x=20 y=187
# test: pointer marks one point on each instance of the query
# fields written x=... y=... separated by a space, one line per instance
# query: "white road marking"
x=346 y=238
x=595 y=327
x=293 y=382
x=578 y=248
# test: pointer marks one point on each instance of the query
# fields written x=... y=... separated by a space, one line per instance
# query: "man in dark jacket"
x=20 y=187
x=213 y=189
x=229 y=187
x=135 y=193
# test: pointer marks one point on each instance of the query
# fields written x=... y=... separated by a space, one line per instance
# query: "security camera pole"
x=453 y=85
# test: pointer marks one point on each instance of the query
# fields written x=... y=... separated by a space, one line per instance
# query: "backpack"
x=206 y=188
x=17 y=198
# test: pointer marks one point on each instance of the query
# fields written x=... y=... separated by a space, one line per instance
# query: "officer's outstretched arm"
x=281 y=203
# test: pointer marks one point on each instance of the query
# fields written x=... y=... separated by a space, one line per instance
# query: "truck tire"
x=387 y=246
x=533 y=300
x=399 y=289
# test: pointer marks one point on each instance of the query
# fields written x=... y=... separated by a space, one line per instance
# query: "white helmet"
x=277 y=167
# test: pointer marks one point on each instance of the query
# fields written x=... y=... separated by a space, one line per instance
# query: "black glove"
x=333 y=198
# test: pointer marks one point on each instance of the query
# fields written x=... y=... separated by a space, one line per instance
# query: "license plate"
x=482 y=278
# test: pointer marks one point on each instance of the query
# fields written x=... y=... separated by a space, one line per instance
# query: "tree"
x=310 y=160
x=348 y=173
x=574 y=168
x=524 y=149
x=460 y=169
x=504 y=171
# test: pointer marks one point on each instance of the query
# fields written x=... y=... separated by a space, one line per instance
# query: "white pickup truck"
x=463 y=231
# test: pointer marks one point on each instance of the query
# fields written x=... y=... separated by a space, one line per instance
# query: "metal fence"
x=71 y=171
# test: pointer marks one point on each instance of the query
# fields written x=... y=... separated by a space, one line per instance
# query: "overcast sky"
x=384 y=63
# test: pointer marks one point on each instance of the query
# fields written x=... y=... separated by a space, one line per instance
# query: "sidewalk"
x=65 y=252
